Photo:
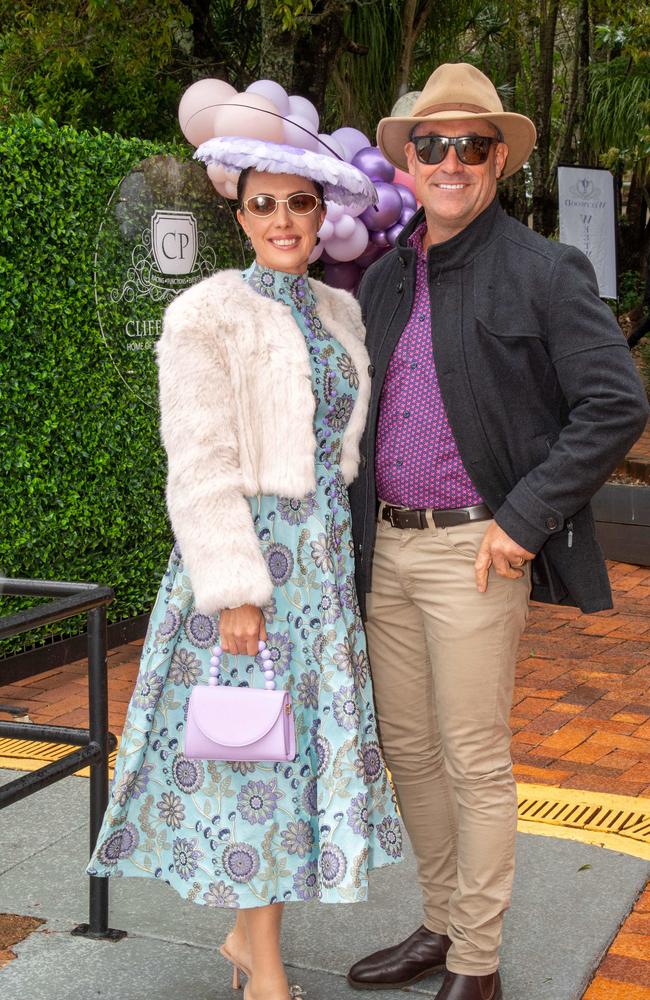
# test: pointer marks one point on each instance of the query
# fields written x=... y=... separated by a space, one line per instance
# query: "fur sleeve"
x=209 y=513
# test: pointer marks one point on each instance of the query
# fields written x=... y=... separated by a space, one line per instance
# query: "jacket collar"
x=464 y=246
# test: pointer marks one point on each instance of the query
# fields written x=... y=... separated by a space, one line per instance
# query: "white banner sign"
x=588 y=220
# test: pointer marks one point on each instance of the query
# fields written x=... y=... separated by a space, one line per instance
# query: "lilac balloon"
x=407 y=215
x=348 y=247
x=379 y=238
x=408 y=198
x=393 y=233
x=304 y=109
x=369 y=255
x=343 y=275
x=388 y=209
x=352 y=140
x=273 y=91
x=373 y=163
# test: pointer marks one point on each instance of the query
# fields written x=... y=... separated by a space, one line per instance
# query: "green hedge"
x=82 y=470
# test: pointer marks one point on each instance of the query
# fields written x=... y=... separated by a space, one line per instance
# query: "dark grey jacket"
x=539 y=386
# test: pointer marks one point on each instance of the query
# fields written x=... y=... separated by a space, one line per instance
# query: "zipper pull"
x=569 y=525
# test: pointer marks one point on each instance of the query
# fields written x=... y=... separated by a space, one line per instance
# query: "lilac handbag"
x=240 y=723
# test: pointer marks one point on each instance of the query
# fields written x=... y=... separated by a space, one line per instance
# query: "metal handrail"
x=95 y=743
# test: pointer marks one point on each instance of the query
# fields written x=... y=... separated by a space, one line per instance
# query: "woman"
x=263 y=390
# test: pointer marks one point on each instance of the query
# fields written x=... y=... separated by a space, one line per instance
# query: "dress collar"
x=292 y=289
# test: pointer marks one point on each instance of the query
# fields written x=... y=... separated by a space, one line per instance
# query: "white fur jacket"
x=237 y=412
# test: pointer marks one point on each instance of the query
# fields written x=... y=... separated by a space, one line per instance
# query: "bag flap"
x=236 y=717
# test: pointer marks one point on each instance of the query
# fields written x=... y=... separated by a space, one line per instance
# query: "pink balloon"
x=197 y=107
x=304 y=109
x=351 y=246
x=273 y=92
x=342 y=275
x=216 y=173
x=402 y=177
x=299 y=131
x=230 y=189
x=379 y=238
x=344 y=227
x=247 y=115
x=352 y=140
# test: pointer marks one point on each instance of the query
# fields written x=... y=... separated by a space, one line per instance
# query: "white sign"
x=588 y=220
x=174 y=241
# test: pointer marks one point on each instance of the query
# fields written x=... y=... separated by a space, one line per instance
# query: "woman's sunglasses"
x=470 y=149
x=263 y=205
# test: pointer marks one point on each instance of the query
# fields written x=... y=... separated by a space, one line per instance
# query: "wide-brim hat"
x=342 y=183
x=459 y=92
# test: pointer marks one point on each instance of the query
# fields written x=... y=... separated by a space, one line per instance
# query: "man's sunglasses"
x=470 y=149
x=263 y=205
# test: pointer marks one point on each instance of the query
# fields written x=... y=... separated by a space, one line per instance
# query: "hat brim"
x=519 y=134
x=342 y=183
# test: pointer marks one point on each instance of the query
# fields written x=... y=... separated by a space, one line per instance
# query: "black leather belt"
x=407 y=517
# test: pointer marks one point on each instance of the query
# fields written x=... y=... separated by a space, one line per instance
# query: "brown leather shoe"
x=457 y=987
x=421 y=955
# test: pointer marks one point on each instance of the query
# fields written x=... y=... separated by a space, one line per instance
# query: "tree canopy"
x=579 y=68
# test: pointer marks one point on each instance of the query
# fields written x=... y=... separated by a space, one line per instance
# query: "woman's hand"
x=240 y=629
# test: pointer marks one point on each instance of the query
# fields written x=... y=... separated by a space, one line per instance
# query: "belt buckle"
x=390 y=520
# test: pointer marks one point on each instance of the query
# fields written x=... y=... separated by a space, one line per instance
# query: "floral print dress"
x=247 y=834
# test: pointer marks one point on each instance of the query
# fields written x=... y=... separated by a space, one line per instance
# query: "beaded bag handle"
x=267 y=665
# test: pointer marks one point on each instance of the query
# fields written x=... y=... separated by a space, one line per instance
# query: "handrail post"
x=98 y=731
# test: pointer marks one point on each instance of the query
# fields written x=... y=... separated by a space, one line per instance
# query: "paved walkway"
x=581 y=720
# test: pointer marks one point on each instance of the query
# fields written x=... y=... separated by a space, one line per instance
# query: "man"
x=503 y=396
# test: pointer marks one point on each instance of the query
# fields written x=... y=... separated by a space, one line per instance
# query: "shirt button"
x=406 y=414
x=413 y=365
x=551 y=523
x=399 y=462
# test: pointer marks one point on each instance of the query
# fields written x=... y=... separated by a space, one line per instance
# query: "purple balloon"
x=373 y=163
x=378 y=238
x=344 y=275
x=407 y=215
x=408 y=198
x=387 y=211
x=393 y=233
x=369 y=255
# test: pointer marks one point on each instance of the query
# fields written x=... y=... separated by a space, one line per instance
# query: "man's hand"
x=240 y=629
x=501 y=551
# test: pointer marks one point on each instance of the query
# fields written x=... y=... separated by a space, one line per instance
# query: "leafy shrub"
x=81 y=467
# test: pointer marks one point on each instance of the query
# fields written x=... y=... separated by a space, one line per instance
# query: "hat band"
x=474 y=108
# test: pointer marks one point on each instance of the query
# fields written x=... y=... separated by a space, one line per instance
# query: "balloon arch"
x=350 y=240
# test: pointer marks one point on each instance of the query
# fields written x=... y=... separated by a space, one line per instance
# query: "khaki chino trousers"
x=443 y=662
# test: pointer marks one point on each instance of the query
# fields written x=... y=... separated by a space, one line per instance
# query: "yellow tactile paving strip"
x=618 y=822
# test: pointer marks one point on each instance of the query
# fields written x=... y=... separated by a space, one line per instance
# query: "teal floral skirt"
x=248 y=834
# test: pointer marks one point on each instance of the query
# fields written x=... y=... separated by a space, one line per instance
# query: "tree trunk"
x=277 y=50
x=541 y=56
x=318 y=46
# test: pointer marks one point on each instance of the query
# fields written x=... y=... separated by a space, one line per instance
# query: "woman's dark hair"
x=241 y=187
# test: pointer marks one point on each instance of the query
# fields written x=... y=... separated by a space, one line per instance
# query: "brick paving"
x=580 y=719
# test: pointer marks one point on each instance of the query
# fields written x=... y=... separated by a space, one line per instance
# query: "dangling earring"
x=247 y=243
x=317 y=240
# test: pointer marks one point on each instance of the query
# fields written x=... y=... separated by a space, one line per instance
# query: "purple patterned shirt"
x=417 y=461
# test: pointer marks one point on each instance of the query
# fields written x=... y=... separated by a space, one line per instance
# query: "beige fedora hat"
x=459 y=92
